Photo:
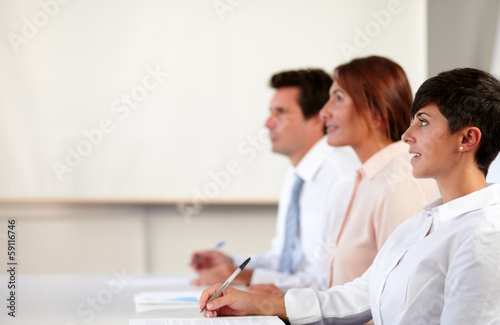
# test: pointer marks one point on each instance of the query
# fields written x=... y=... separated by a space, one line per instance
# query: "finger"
x=198 y=258
x=222 y=301
x=196 y=255
x=207 y=294
x=210 y=313
x=194 y=264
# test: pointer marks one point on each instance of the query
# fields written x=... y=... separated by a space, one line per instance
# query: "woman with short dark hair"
x=441 y=265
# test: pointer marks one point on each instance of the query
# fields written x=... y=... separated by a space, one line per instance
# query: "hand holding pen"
x=226 y=284
x=221 y=300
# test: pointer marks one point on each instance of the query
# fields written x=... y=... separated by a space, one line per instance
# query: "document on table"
x=153 y=300
x=241 y=320
x=172 y=300
x=168 y=297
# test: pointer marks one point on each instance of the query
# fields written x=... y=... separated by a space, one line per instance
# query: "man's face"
x=286 y=123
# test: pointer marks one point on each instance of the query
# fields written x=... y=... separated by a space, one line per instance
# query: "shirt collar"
x=310 y=164
x=455 y=208
x=382 y=157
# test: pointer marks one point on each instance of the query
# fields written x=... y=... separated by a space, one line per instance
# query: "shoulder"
x=491 y=215
x=478 y=240
x=475 y=234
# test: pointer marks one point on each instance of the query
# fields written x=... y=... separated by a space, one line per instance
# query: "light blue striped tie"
x=291 y=229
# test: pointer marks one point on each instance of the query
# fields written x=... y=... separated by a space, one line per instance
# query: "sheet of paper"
x=157 y=300
x=168 y=297
x=173 y=299
x=160 y=281
x=245 y=320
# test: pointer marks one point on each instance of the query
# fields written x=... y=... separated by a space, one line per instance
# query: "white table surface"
x=87 y=299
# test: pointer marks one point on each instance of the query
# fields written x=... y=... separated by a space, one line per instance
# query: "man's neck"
x=297 y=156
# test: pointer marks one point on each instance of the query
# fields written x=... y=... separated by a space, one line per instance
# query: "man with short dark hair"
x=314 y=196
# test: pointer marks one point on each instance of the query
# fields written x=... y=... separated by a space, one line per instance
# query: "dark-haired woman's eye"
x=423 y=122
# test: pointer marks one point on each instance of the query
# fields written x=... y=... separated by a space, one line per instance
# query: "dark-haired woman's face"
x=433 y=149
x=344 y=126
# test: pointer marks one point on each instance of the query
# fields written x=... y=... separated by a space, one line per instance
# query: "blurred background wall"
x=155 y=237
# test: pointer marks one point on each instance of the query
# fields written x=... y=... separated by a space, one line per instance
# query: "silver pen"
x=228 y=282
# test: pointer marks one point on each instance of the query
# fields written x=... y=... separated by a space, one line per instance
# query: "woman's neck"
x=369 y=147
x=460 y=182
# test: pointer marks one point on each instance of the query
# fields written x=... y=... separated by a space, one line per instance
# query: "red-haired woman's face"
x=344 y=126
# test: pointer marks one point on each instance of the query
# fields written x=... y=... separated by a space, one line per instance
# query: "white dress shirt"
x=328 y=175
x=450 y=276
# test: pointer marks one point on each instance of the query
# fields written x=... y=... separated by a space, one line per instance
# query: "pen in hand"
x=226 y=284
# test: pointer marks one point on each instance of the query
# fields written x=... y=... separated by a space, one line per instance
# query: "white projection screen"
x=167 y=99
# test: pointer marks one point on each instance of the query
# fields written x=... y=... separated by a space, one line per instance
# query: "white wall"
x=152 y=98
x=89 y=53
x=461 y=33
x=52 y=238
x=72 y=238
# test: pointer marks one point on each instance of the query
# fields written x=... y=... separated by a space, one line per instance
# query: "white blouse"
x=450 y=276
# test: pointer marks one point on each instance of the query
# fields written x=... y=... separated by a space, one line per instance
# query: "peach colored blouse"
x=385 y=194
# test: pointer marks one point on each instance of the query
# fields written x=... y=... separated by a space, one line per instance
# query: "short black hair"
x=314 y=85
x=466 y=97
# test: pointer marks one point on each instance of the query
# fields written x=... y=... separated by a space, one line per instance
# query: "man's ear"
x=470 y=138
